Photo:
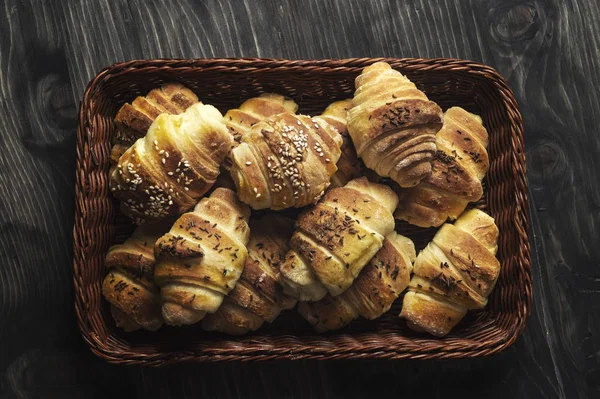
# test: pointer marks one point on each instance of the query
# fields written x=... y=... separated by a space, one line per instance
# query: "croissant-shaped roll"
x=393 y=125
x=129 y=285
x=133 y=120
x=200 y=260
x=285 y=161
x=455 y=272
x=168 y=170
x=372 y=293
x=334 y=240
x=349 y=166
x=257 y=297
x=254 y=110
x=458 y=169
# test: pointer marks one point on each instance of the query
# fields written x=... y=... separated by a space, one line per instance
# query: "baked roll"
x=240 y=120
x=454 y=273
x=168 y=170
x=201 y=258
x=257 y=297
x=335 y=239
x=254 y=110
x=349 y=165
x=285 y=161
x=129 y=284
x=372 y=293
x=393 y=125
x=460 y=164
x=133 y=120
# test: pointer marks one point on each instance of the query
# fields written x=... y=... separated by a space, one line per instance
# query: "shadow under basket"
x=226 y=83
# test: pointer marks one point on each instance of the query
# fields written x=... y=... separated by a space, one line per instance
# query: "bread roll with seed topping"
x=456 y=272
x=285 y=161
x=257 y=297
x=335 y=239
x=240 y=120
x=460 y=164
x=393 y=125
x=372 y=293
x=201 y=258
x=129 y=284
x=168 y=170
x=133 y=120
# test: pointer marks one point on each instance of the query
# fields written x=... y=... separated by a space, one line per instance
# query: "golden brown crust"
x=349 y=165
x=232 y=319
x=254 y=110
x=257 y=297
x=372 y=293
x=454 y=273
x=285 y=161
x=201 y=258
x=457 y=171
x=393 y=125
x=168 y=170
x=129 y=285
x=327 y=314
x=427 y=313
x=133 y=120
x=481 y=227
x=134 y=299
x=335 y=239
x=123 y=321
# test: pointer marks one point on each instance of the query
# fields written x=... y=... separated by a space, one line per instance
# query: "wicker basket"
x=225 y=83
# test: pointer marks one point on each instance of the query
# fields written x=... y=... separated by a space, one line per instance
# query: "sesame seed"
x=163 y=161
x=255 y=189
x=248 y=163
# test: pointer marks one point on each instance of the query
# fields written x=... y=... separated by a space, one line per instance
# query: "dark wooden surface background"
x=548 y=50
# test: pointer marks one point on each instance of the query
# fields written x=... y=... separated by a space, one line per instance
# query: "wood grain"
x=549 y=52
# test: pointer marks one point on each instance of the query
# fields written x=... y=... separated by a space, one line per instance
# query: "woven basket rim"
x=350 y=64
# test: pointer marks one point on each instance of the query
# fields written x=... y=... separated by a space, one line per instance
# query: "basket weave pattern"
x=225 y=83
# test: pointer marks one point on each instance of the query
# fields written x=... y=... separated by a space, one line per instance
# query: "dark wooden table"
x=548 y=50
